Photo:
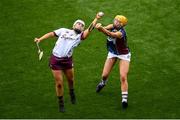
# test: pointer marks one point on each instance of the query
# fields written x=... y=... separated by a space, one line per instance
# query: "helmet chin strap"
x=117 y=27
x=77 y=31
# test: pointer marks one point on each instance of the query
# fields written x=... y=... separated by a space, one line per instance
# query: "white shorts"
x=122 y=57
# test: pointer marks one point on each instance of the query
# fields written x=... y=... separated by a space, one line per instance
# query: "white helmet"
x=79 y=21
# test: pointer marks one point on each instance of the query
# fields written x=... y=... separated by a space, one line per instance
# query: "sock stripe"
x=124 y=92
x=124 y=100
x=124 y=96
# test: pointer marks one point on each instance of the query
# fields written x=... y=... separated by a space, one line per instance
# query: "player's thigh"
x=58 y=75
x=124 y=67
x=69 y=73
x=109 y=65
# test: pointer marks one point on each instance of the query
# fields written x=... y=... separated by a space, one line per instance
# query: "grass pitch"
x=27 y=86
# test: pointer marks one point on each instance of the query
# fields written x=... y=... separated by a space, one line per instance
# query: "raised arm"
x=46 y=36
x=91 y=26
x=107 y=32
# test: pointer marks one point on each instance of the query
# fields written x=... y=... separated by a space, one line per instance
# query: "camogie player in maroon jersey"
x=117 y=49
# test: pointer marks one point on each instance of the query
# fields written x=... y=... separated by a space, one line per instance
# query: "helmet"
x=122 y=19
x=79 y=21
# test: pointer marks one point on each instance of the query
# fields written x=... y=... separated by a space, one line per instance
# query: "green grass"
x=27 y=86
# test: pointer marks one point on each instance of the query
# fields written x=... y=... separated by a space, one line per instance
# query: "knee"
x=59 y=85
x=123 y=77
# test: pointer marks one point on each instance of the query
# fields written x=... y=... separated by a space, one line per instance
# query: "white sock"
x=124 y=96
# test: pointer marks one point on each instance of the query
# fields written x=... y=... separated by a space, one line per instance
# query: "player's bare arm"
x=107 y=32
x=108 y=27
x=91 y=26
x=46 y=36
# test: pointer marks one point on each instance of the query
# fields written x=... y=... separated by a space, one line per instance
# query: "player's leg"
x=108 y=67
x=124 y=68
x=59 y=88
x=69 y=73
x=106 y=71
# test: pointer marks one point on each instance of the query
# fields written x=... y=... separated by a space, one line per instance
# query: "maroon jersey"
x=118 y=46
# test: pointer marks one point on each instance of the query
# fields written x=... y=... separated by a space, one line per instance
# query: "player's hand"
x=97 y=16
x=37 y=40
x=98 y=26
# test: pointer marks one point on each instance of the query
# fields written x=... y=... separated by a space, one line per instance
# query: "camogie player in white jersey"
x=61 y=59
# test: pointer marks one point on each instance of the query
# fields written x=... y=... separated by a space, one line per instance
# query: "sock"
x=61 y=103
x=104 y=82
x=124 y=96
x=71 y=92
x=61 y=100
x=72 y=95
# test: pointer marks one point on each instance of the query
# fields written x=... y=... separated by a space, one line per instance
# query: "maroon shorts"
x=63 y=63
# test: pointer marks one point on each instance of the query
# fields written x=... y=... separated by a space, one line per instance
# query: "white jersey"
x=67 y=41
